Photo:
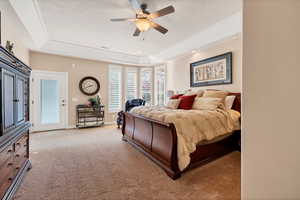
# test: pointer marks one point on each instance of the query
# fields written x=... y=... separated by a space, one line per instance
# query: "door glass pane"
x=20 y=97
x=49 y=101
x=8 y=100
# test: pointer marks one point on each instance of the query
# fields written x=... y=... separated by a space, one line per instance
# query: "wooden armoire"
x=14 y=123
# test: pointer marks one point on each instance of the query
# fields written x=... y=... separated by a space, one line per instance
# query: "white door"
x=49 y=98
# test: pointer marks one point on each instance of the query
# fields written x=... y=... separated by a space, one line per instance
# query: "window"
x=160 y=84
x=146 y=84
x=131 y=83
x=115 y=88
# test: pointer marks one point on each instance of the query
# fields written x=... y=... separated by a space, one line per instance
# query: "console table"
x=89 y=116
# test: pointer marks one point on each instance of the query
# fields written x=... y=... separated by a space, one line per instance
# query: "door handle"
x=63 y=104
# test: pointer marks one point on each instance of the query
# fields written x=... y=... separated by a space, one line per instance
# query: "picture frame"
x=216 y=70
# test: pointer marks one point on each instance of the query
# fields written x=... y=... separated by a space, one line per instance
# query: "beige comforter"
x=192 y=126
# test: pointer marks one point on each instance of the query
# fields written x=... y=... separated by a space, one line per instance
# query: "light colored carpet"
x=95 y=164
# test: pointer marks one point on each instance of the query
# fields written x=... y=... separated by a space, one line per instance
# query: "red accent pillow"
x=186 y=102
x=176 y=96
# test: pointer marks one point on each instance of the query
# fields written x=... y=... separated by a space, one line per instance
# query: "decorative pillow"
x=215 y=94
x=176 y=96
x=208 y=103
x=199 y=93
x=173 y=103
x=229 y=102
x=186 y=102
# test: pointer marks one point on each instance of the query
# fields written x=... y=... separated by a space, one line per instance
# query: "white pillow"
x=207 y=103
x=199 y=93
x=173 y=103
x=215 y=94
x=229 y=102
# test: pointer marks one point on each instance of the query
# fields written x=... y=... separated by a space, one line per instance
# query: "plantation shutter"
x=146 y=84
x=160 y=85
x=131 y=83
x=115 y=88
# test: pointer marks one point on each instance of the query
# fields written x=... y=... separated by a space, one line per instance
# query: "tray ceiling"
x=70 y=24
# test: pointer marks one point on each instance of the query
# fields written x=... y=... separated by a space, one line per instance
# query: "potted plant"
x=95 y=101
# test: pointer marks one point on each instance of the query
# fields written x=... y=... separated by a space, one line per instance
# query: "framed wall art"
x=212 y=71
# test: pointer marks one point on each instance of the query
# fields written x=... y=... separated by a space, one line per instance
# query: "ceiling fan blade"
x=122 y=19
x=135 y=5
x=159 y=28
x=137 y=32
x=162 y=12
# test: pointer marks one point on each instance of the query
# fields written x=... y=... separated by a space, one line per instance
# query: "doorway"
x=49 y=100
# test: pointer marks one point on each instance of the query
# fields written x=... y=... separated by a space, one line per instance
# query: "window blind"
x=160 y=84
x=131 y=83
x=115 y=88
x=146 y=84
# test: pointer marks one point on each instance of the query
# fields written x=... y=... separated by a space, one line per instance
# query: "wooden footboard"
x=158 y=141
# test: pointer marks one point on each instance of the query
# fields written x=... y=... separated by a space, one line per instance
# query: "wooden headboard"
x=237 y=101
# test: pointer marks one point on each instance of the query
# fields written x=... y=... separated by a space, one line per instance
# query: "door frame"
x=32 y=93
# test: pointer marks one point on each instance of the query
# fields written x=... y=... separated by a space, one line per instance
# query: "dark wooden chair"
x=128 y=106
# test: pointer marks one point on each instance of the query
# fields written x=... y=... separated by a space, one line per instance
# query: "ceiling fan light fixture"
x=143 y=24
x=143 y=18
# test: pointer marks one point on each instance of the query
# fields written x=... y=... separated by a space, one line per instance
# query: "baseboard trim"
x=110 y=123
x=72 y=127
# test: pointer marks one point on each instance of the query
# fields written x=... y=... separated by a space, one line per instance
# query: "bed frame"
x=158 y=141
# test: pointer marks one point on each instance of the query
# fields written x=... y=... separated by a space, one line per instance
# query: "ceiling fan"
x=143 y=19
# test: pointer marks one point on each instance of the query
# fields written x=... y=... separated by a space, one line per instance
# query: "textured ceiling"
x=86 y=22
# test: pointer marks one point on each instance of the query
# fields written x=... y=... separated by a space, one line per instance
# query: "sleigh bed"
x=158 y=141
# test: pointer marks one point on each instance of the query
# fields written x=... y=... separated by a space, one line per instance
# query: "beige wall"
x=13 y=30
x=77 y=69
x=179 y=69
x=271 y=134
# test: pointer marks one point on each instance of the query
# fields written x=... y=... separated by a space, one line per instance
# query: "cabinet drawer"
x=5 y=154
x=19 y=158
x=21 y=143
x=7 y=169
x=6 y=181
x=4 y=186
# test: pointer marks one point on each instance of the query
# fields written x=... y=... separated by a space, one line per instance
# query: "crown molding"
x=94 y=53
x=226 y=28
x=30 y=15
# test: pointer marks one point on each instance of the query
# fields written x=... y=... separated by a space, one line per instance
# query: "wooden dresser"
x=14 y=123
